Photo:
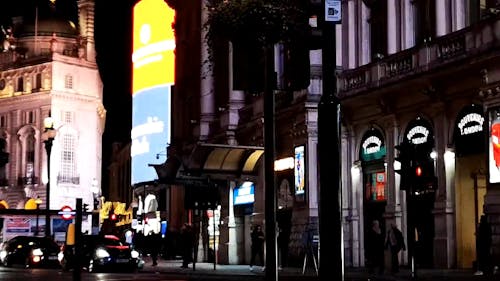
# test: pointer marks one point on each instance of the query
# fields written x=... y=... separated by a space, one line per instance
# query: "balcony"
x=27 y=180
x=63 y=179
x=469 y=43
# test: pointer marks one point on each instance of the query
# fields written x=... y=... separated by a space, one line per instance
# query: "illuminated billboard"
x=153 y=75
x=244 y=194
x=494 y=145
x=299 y=170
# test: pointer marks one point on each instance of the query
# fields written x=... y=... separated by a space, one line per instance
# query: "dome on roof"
x=47 y=27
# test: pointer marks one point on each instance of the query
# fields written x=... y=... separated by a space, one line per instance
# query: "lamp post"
x=38 y=201
x=48 y=135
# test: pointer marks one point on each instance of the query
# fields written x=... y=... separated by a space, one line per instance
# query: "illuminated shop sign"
x=372 y=146
x=244 y=194
x=153 y=75
x=418 y=135
x=299 y=170
x=470 y=124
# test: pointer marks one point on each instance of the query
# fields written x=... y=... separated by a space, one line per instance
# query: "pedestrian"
x=375 y=248
x=154 y=247
x=483 y=246
x=187 y=243
x=395 y=243
x=257 y=248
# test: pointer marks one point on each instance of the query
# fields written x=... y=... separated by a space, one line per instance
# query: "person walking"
x=257 y=237
x=395 y=243
x=375 y=248
x=187 y=243
x=483 y=245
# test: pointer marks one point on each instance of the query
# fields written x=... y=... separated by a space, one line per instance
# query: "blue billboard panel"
x=150 y=131
x=244 y=194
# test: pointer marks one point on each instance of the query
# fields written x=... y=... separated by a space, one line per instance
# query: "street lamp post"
x=38 y=201
x=48 y=135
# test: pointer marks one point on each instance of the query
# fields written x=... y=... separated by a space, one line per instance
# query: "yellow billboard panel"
x=153 y=54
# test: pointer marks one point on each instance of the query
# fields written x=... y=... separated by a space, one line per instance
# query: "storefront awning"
x=222 y=159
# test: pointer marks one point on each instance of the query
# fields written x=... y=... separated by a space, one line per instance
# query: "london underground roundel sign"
x=67 y=213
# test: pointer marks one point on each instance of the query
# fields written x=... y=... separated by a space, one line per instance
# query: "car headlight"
x=101 y=253
x=37 y=252
x=134 y=254
x=3 y=254
x=60 y=256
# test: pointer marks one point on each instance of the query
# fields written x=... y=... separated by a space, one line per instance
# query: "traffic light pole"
x=77 y=271
x=331 y=265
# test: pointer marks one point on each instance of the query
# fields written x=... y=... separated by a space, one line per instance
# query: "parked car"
x=29 y=251
x=102 y=253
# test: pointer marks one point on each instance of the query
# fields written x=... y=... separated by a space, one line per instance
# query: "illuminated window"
x=68 y=168
x=68 y=81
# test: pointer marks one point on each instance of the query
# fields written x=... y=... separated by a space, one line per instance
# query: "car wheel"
x=6 y=262
x=27 y=262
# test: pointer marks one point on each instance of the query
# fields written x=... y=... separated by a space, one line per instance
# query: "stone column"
x=393 y=210
x=444 y=213
x=207 y=99
x=365 y=46
x=408 y=29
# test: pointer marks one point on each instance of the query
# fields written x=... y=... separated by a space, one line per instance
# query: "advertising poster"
x=299 y=170
x=153 y=76
x=494 y=146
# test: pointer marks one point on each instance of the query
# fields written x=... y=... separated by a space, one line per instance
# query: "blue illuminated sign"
x=244 y=194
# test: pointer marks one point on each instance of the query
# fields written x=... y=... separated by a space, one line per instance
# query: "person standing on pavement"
x=257 y=247
x=187 y=243
x=483 y=246
x=375 y=248
x=395 y=243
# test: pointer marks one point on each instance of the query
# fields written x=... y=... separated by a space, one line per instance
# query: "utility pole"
x=269 y=152
x=77 y=271
x=331 y=264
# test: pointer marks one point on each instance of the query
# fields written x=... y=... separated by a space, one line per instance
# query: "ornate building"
x=421 y=78
x=48 y=68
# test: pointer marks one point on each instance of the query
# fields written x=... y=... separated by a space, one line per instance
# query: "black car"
x=102 y=252
x=30 y=251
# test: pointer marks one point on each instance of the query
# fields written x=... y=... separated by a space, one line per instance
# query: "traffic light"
x=85 y=208
x=405 y=165
x=424 y=179
x=113 y=217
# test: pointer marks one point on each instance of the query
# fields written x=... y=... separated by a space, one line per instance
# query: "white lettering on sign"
x=421 y=133
x=372 y=145
x=465 y=124
x=140 y=143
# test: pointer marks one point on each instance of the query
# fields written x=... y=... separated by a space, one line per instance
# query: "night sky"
x=113 y=27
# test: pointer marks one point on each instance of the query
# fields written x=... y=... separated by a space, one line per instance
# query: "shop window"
x=375 y=186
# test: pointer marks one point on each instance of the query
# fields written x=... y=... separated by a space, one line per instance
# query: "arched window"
x=29 y=157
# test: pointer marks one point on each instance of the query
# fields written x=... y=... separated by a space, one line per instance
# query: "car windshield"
x=40 y=242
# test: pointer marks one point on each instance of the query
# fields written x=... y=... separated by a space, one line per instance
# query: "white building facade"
x=48 y=68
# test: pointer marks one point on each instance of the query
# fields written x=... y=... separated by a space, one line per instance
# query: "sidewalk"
x=202 y=268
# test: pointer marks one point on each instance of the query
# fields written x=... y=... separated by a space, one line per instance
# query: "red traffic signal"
x=418 y=171
x=113 y=217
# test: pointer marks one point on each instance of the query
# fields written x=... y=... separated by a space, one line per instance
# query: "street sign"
x=333 y=11
x=67 y=213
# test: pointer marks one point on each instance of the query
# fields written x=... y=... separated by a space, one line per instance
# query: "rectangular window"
x=20 y=84
x=67 y=117
x=38 y=81
x=68 y=172
x=3 y=121
x=68 y=81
